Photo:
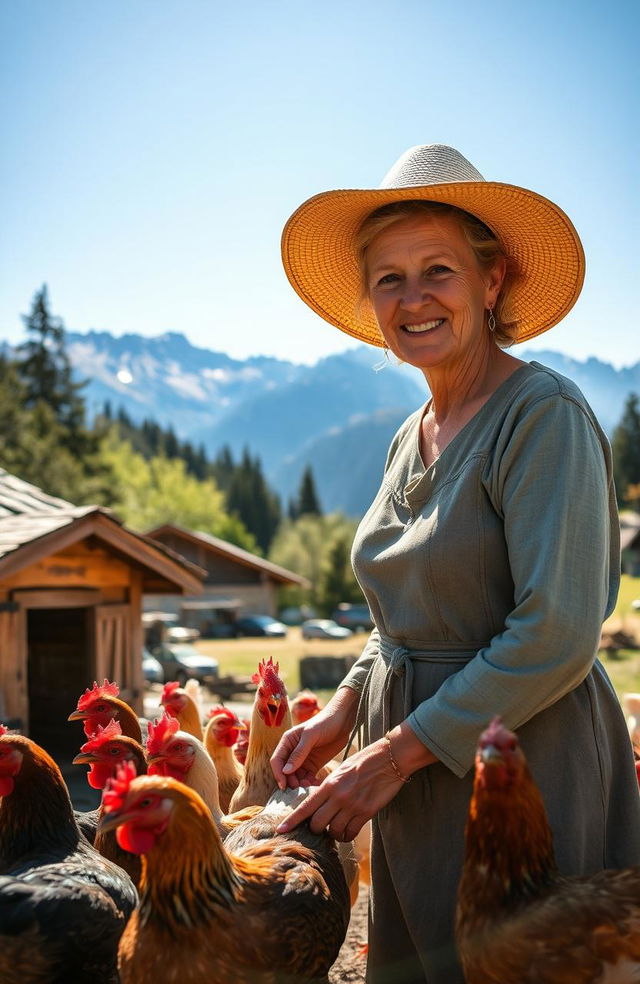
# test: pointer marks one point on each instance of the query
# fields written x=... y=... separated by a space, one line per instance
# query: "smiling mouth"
x=423 y=327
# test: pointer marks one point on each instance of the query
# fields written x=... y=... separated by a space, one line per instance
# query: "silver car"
x=324 y=628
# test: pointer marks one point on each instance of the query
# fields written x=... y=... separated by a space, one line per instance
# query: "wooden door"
x=113 y=647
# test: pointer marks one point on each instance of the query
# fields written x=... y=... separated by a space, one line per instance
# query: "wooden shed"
x=71 y=585
x=237 y=582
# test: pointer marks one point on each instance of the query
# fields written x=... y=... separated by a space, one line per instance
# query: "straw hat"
x=318 y=242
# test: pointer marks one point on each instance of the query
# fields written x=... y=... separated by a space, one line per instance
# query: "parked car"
x=324 y=628
x=151 y=668
x=182 y=633
x=182 y=662
x=260 y=625
x=296 y=614
x=356 y=617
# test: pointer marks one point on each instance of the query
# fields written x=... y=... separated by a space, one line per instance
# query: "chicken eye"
x=144 y=803
x=114 y=751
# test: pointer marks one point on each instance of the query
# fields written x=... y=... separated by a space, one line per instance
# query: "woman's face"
x=428 y=293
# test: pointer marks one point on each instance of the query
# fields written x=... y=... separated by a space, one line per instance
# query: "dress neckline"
x=504 y=387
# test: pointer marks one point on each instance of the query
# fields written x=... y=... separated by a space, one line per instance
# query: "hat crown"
x=430 y=164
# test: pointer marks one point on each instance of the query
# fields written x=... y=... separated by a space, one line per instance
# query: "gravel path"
x=351 y=964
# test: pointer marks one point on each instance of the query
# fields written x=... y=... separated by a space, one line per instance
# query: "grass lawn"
x=241 y=656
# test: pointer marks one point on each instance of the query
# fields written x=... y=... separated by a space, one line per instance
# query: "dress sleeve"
x=550 y=481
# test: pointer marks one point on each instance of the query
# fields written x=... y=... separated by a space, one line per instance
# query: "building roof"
x=229 y=550
x=18 y=498
x=34 y=525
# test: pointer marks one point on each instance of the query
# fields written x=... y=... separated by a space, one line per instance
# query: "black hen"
x=63 y=906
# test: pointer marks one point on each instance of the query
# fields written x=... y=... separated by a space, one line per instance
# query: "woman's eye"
x=437 y=268
x=389 y=278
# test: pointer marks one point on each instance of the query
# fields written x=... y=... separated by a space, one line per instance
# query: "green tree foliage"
x=160 y=490
x=307 y=503
x=339 y=583
x=318 y=548
x=46 y=373
x=626 y=454
x=45 y=439
x=252 y=501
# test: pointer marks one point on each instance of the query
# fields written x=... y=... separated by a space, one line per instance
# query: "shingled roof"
x=33 y=522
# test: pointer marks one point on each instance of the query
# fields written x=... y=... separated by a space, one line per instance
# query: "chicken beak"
x=491 y=755
x=84 y=758
x=109 y=821
x=77 y=716
x=154 y=759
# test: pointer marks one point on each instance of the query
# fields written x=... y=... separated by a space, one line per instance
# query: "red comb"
x=102 y=735
x=223 y=712
x=3 y=730
x=169 y=690
x=106 y=690
x=160 y=731
x=268 y=674
x=117 y=788
x=496 y=731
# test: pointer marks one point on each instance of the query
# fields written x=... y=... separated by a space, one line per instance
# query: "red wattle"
x=99 y=773
x=134 y=839
x=6 y=785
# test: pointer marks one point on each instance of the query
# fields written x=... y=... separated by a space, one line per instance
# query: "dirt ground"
x=350 y=966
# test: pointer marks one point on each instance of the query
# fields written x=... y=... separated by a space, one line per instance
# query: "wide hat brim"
x=319 y=256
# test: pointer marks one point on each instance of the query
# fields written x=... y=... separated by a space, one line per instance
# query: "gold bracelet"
x=394 y=764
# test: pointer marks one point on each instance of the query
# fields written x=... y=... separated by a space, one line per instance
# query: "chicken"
x=175 y=753
x=274 y=912
x=100 y=705
x=270 y=719
x=63 y=907
x=104 y=751
x=181 y=705
x=220 y=735
x=242 y=743
x=304 y=705
x=518 y=919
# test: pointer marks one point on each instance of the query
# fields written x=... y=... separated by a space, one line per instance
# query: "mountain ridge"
x=337 y=415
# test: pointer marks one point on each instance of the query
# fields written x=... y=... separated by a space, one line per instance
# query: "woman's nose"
x=414 y=295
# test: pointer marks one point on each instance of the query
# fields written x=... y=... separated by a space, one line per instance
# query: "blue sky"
x=153 y=149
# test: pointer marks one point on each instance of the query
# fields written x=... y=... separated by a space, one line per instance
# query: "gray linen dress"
x=488 y=575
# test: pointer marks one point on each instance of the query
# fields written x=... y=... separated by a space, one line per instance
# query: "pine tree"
x=626 y=452
x=249 y=498
x=223 y=468
x=47 y=375
x=308 y=503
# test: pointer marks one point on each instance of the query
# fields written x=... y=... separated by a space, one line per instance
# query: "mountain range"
x=338 y=416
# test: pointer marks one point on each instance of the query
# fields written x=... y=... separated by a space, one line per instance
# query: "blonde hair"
x=485 y=245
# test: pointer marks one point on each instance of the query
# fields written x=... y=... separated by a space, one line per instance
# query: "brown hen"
x=519 y=920
x=273 y=913
x=62 y=905
x=220 y=735
x=270 y=719
x=103 y=753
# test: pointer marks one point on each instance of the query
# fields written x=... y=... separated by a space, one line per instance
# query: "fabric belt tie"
x=400 y=661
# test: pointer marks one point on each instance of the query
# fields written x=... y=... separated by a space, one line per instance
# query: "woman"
x=489 y=557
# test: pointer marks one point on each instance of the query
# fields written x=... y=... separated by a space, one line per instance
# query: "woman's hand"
x=303 y=750
x=360 y=786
